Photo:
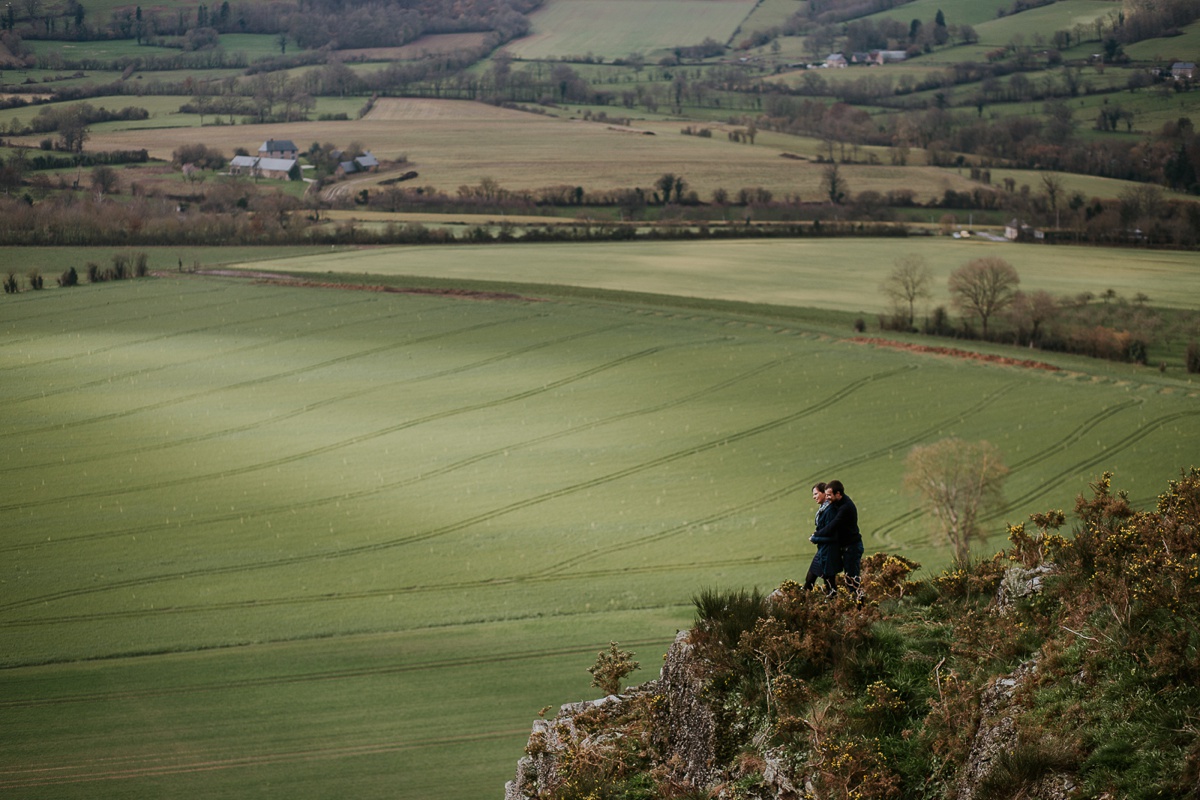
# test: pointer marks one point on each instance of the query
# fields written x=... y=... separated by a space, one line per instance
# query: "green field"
x=280 y=540
x=566 y=28
x=834 y=274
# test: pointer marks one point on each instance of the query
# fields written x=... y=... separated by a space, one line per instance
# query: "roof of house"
x=271 y=164
x=275 y=145
x=367 y=160
x=277 y=164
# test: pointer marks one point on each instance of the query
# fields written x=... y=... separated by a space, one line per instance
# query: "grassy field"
x=1166 y=50
x=269 y=539
x=567 y=27
x=836 y=274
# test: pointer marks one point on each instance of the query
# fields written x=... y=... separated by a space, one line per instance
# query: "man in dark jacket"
x=839 y=527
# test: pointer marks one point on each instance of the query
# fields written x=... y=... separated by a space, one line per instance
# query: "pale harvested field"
x=456 y=143
x=569 y=27
x=341 y=215
x=426 y=45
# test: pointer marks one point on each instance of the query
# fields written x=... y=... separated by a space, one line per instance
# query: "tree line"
x=986 y=293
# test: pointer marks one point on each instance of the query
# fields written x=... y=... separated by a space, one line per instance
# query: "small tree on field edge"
x=956 y=481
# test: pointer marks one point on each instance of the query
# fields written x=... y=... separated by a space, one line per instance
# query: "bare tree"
x=1029 y=311
x=957 y=480
x=909 y=281
x=982 y=287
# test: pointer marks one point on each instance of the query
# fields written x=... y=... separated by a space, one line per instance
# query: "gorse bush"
x=727 y=615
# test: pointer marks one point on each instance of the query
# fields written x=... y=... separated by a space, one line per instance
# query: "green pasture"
x=1185 y=47
x=835 y=274
x=970 y=12
x=1088 y=185
x=100 y=50
x=51 y=80
x=263 y=539
x=568 y=27
x=769 y=14
x=256 y=45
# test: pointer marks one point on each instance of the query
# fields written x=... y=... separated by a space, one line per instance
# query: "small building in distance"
x=278 y=148
x=1183 y=70
x=281 y=169
x=1018 y=231
x=364 y=163
x=881 y=57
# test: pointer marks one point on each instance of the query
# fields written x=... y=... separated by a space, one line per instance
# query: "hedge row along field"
x=265 y=539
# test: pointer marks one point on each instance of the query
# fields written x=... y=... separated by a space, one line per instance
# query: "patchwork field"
x=568 y=27
x=276 y=540
x=456 y=143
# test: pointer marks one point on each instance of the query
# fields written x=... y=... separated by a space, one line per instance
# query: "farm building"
x=364 y=163
x=886 y=56
x=278 y=148
x=1183 y=70
x=275 y=168
x=835 y=60
x=1016 y=230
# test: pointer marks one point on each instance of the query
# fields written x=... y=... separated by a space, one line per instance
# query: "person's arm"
x=835 y=520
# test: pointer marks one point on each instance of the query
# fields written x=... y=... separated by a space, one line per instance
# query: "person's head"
x=834 y=490
x=819 y=492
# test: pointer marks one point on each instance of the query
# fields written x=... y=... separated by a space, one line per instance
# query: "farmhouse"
x=278 y=148
x=275 y=168
x=835 y=60
x=1183 y=70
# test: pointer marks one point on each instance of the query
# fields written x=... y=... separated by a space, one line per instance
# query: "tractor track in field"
x=1062 y=444
x=90 y=304
x=494 y=513
x=261 y=380
x=248 y=469
x=320 y=676
x=155 y=766
x=329 y=400
x=390 y=592
x=441 y=471
x=801 y=485
x=139 y=342
x=215 y=355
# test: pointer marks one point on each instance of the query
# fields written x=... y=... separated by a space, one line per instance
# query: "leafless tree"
x=956 y=481
x=909 y=281
x=982 y=287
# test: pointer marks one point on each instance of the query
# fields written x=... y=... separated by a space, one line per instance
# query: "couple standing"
x=839 y=543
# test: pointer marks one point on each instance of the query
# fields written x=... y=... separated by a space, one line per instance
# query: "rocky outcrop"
x=998 y=740
x=683 y=728
x=1019 y=582
x=686 y=724
x=550 y=740
x=1000 y=709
